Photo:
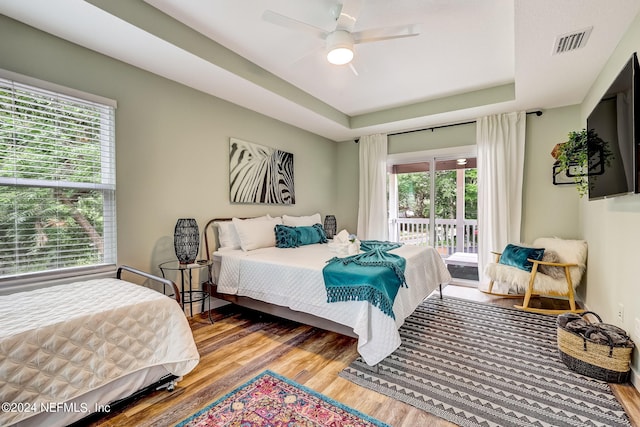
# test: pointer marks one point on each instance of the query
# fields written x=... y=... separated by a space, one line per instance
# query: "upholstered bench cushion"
x=518 y=279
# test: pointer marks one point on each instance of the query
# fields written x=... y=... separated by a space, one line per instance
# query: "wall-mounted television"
x=614 y=170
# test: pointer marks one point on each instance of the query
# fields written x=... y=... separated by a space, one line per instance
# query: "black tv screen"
x=613 y=162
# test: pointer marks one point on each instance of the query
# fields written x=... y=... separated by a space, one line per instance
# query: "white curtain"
x=500 y=140
x=372 y=205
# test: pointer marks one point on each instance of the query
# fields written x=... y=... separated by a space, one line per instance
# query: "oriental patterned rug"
x=272 y=400
x=477 y=364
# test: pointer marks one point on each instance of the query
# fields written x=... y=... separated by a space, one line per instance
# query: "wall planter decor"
x=259 y=174
x=572 y=159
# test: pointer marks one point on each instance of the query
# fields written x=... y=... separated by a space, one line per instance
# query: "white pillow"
x=228 y=236
x=301 y=221
x=256 y=234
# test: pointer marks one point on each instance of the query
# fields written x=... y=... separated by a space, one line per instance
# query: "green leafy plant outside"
x=49 y=227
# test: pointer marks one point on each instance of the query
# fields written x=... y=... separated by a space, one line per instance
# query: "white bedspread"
x=60 y=342
x=293 y=278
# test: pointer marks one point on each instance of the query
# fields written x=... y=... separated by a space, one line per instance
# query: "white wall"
x=172 y=144
x=612 y=227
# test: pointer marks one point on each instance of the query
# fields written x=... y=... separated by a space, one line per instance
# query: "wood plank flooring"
x=241 y=344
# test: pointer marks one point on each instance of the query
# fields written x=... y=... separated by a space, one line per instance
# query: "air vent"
x=572 y=41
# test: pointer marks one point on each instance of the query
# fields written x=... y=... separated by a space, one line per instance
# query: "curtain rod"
x=537 y=113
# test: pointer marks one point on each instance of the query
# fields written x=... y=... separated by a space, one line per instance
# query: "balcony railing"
x=451 y=235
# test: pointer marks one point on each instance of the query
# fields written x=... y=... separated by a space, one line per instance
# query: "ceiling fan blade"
x=316 y=55
x=293 y=24
x=387 y=33
x=353 y=68
x=349 y=12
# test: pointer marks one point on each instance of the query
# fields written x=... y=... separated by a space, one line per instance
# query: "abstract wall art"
x=259 y=174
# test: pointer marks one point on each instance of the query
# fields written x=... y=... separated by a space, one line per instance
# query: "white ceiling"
x=471 y=58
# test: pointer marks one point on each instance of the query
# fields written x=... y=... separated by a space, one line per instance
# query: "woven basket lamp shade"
x=186 y=240
x=330 y=226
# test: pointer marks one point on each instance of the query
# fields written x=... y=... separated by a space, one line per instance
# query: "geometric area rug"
x=273 y=400
x=477 y=364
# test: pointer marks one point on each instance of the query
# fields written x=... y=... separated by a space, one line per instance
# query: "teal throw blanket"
x=373 y=275
x=367 y=245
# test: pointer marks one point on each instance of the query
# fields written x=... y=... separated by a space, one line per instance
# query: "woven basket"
x=606 y=362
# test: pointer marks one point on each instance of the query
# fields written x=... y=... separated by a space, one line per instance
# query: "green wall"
x=347 y=171
x=539 y=193
x=445 y=137
x=172 y=144
x=548 y=210
x=612 y=226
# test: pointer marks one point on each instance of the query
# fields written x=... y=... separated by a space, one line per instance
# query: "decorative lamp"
x=330 y=226
x=186 y=240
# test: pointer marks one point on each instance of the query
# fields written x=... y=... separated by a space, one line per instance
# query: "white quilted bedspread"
x=59 y=342
x=293 y=278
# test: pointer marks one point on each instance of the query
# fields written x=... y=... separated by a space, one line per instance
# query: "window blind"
x=57 y=181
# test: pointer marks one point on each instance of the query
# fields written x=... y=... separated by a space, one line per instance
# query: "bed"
x=289 y=282
x=70 y=350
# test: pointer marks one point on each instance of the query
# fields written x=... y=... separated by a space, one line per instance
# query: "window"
x=57 y=181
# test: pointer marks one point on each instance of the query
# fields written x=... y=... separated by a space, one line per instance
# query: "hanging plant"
x=572 y=157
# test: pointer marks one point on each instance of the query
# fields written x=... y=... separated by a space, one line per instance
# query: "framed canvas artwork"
x=259 y=174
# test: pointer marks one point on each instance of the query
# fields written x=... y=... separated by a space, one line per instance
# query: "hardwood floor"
x=241 y=344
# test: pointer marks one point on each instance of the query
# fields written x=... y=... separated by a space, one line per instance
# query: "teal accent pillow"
x=516 y=256
x=292 y=237
x=308 y=235
x=286 y=236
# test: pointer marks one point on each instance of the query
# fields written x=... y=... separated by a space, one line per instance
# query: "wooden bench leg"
x=527 y=295
x=572 y=300
x=490 y=286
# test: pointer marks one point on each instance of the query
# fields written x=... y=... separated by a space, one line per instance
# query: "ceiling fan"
x=341 y=40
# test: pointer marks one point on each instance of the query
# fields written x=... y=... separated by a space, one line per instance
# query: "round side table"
x=188 y=294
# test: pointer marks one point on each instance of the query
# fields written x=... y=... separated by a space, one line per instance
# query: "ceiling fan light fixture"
x=339 y=47
x=340 y=56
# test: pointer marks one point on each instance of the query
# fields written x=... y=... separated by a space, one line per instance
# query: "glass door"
x=456 y=216
x=434 y=203
x=410 y=204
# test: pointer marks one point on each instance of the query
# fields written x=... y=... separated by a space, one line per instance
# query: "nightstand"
x=189 y=296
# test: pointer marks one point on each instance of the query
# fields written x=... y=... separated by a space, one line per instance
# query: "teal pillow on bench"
x=516 y=256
